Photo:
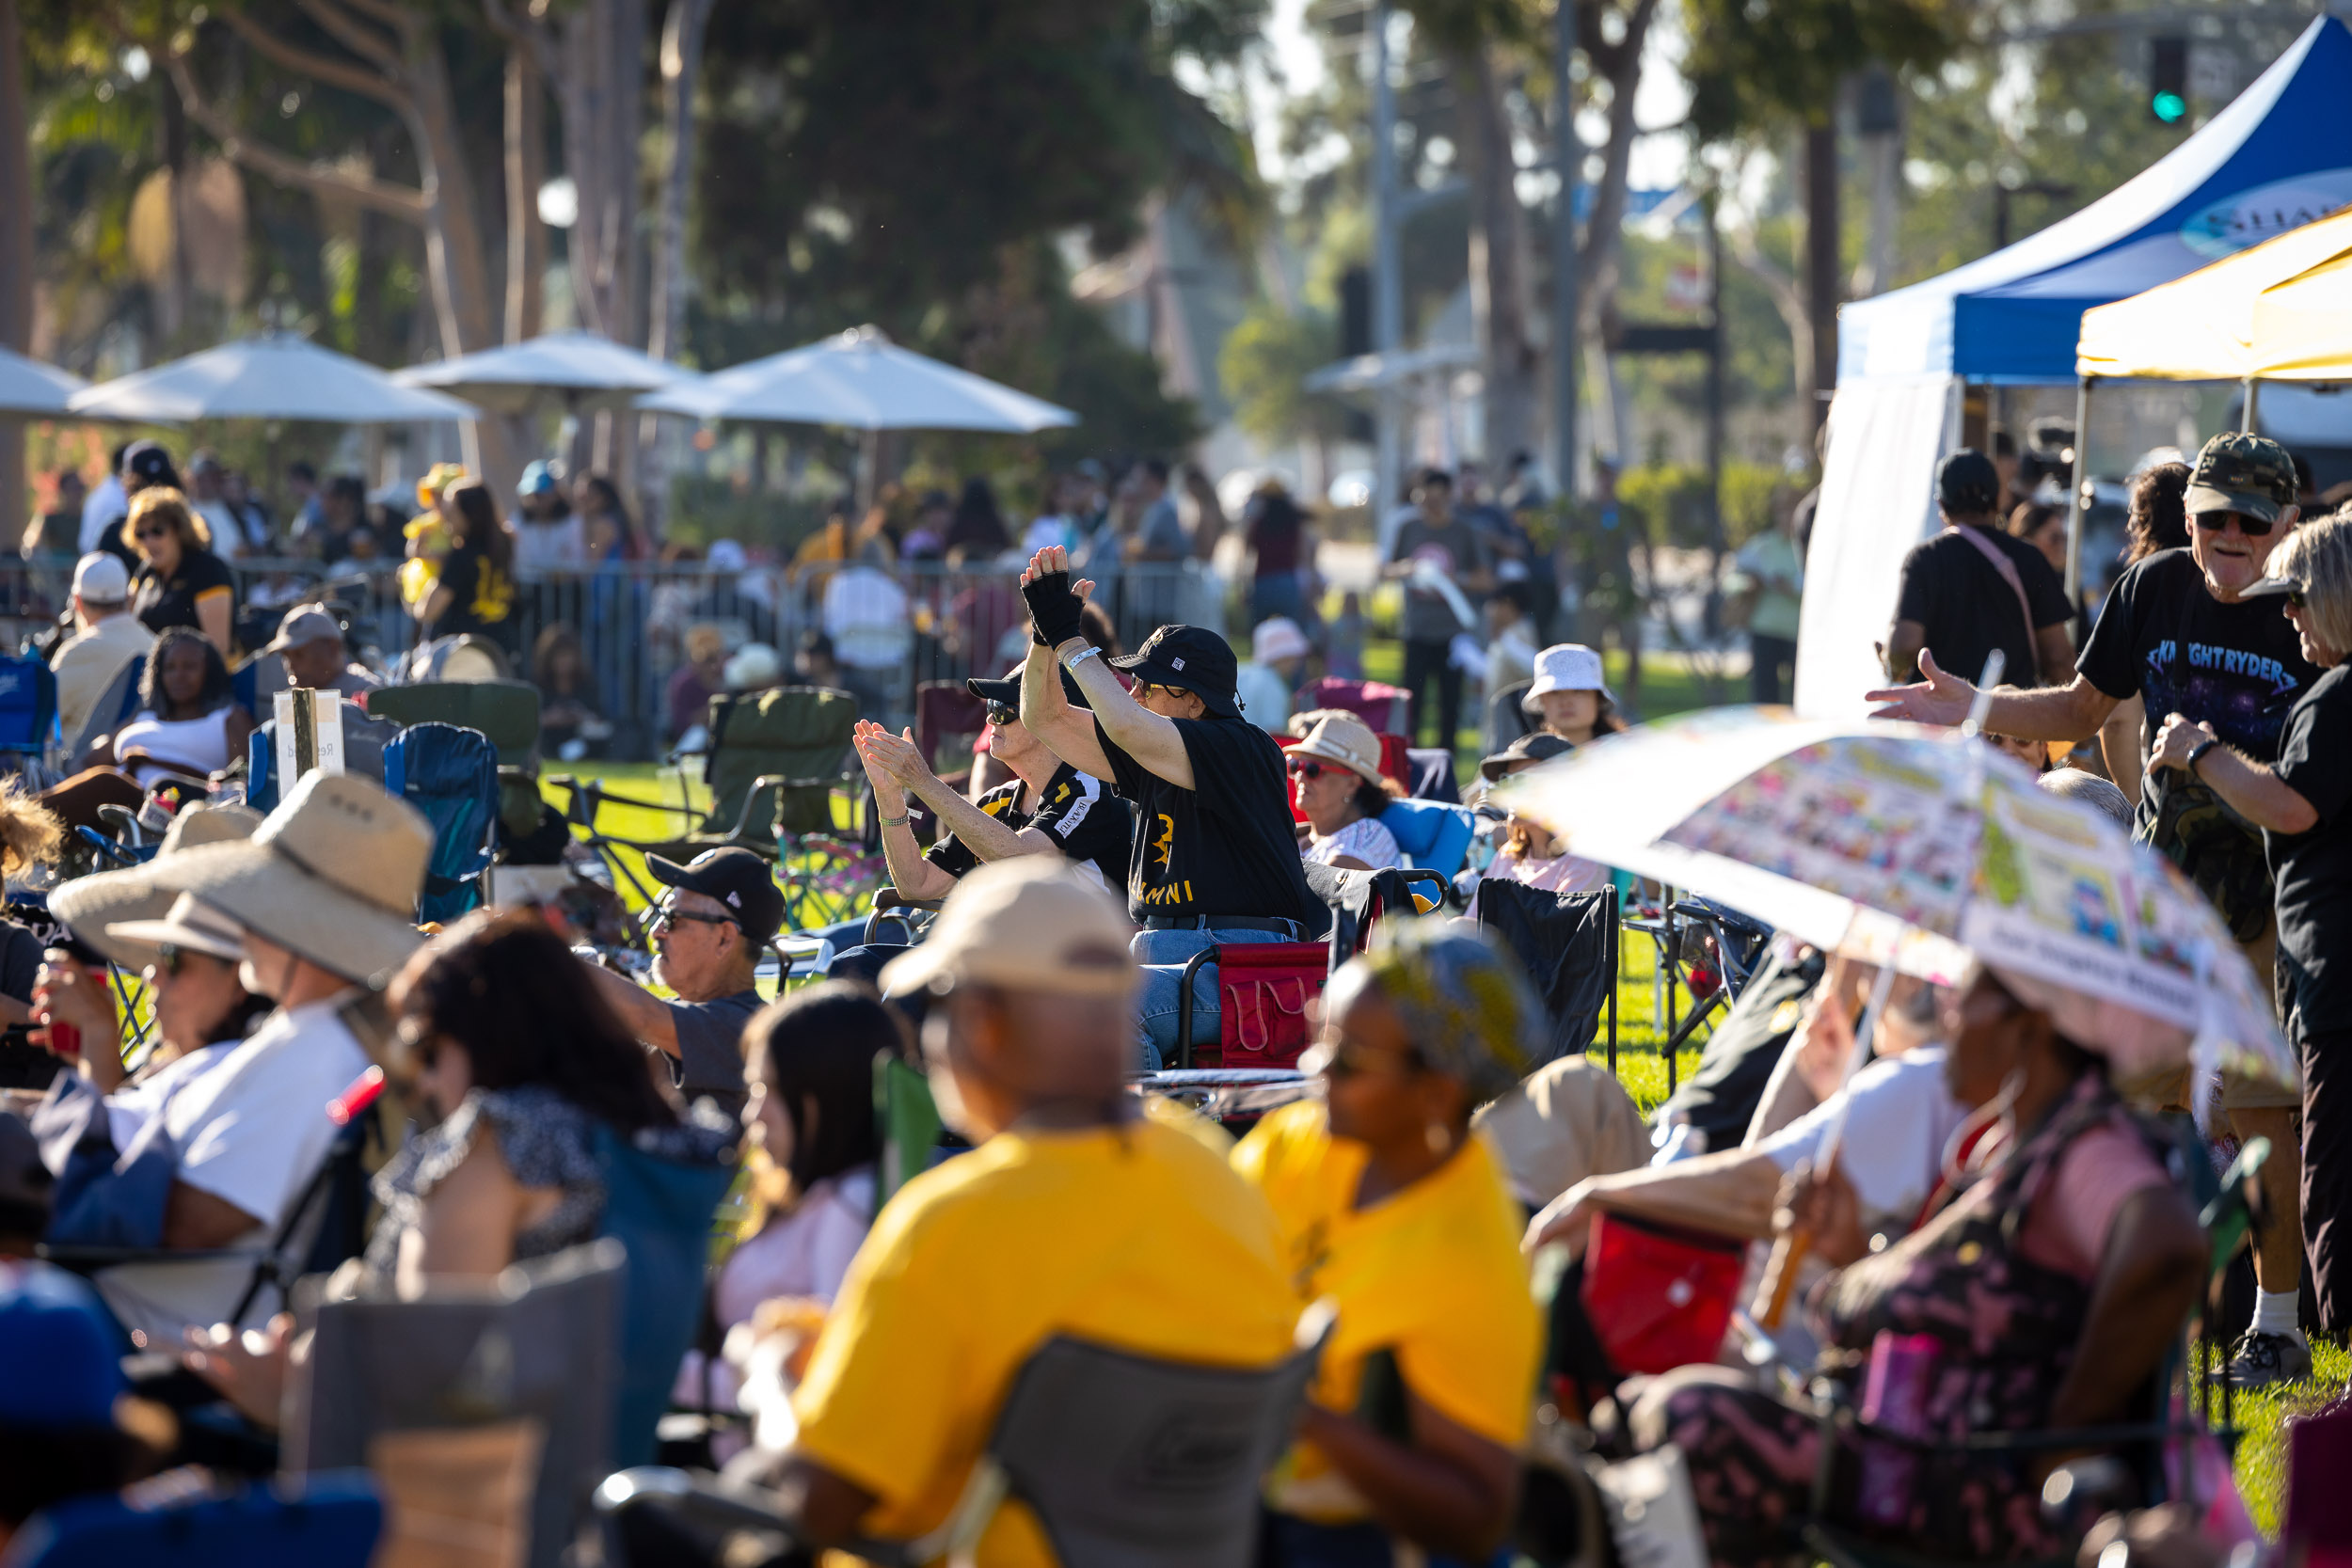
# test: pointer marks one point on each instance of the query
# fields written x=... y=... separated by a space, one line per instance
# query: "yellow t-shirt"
x=1138 y=1237
x=1432 y=1275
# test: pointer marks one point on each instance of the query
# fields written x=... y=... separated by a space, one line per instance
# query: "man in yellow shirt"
x=1074 y=1215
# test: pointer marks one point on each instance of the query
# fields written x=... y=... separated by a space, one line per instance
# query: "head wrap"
x=1464 y=1001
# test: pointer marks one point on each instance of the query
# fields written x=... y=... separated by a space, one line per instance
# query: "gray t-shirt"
x=1455 y=550
x=1162 y=531
x=709 y=1058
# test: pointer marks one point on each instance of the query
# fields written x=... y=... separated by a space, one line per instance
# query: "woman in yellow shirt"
x=1390 y=1204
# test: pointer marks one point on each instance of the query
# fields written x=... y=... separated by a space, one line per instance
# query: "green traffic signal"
x=2169 y=107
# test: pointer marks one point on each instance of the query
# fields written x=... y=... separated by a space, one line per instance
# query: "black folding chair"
x=1568 y=944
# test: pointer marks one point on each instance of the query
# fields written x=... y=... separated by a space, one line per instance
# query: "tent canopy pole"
x=2082 y=491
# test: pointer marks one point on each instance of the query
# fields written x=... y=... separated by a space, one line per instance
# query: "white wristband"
x=1090 y=651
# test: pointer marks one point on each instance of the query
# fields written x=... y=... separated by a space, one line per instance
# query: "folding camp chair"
x=1568 y=944
x=1236 y=1099
x=29 y=712
x=1506 y=720
x=1126 y=1461
x=1382 y=707
x=116 y=706
x=452 y=775
x=660 y=1210
x=1263 y=987
x=1434 y=837
x=506 y=712
x=329 y=1520
x=365 y=736
x=775 y=760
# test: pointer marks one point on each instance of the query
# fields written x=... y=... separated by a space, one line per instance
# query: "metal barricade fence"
x=890 y=629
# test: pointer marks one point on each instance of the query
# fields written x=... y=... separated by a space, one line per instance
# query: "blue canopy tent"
x=2278 y=157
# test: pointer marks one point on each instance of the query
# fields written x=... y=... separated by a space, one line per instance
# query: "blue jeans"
x=1164 y=954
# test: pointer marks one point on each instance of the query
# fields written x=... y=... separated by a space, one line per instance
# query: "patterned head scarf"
x=1465 y=1004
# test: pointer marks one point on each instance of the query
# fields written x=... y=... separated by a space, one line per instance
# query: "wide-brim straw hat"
x=331 y=876
x=90 y=906
x=192 y=927
x=1347 y=740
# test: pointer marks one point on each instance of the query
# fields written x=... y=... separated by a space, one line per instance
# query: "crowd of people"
x=2005 y=1223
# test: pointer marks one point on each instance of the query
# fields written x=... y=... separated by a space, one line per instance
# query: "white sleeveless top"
x=198 y=745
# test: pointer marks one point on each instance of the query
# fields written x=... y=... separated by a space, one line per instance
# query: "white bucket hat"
x=1565 y=667
x=1276 y=637
x=331 y=876
x=93 y=907
x=191 y=925
x=1347 y=740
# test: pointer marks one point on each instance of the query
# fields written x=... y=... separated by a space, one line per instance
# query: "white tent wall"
x=1886 y=439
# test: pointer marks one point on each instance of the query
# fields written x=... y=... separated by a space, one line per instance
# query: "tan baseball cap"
x=1027 y=924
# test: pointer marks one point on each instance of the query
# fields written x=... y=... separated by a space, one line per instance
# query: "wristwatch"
x=892 y=821
x=2196 y=754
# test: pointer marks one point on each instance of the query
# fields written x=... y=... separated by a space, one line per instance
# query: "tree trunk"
x=681 y=72
x=171 y=131
x=1500 y=303
x=1620 y=65
x=16 y=248
x=1820 y=263
x=526 y=171
x=602 y=43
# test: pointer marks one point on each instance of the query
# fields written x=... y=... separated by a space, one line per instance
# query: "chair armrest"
x=80 y=1259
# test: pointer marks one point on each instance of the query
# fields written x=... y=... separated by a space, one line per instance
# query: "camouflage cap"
x=2240 y=471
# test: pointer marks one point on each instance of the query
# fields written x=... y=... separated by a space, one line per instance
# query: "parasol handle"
x=1780 y=1276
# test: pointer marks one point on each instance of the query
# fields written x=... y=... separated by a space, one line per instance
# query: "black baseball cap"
x=149 y=464
x=738 y=879
x=1967 y=483
x=1007 y=692
x=1538 y=745
x=1192 y=658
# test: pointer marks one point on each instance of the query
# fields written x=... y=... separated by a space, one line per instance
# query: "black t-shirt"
x=1969 y=609
x=2314 y=868
x=480 y=595
x=1088 y=823
x=160 y=605
x=2162 y=637
x=1223 y=847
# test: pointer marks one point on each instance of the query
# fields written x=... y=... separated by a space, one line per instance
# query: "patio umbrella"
x=584 y=370
x=858 y=379
x=275 y=376
x=29 y=386
x=1920 y=849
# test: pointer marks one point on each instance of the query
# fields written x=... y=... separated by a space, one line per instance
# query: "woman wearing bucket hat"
x=1215 y=859
x=322 y=900
x=1569 y=698
x=1336 y=780
x=1389 y=1200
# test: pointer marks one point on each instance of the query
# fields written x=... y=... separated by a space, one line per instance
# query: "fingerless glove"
x=1056 y=614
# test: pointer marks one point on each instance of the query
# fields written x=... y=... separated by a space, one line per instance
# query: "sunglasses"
x=164 y=532
x=1000 y=717
x=173 y=961
x=1306 y=770
x=663 y=915
x=2216 y=522
x=1355 y=1061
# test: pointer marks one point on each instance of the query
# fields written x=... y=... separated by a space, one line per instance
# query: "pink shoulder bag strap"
x=2008 y=569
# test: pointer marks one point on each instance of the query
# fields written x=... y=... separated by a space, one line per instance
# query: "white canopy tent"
x=859 y=380
x=273 y=376
x=28 y=387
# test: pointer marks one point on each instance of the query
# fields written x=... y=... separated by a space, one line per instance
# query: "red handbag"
x=1660 y=1296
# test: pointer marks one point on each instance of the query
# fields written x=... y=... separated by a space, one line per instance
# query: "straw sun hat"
x=1347 y=740
x=331 y=876
x=94 y=907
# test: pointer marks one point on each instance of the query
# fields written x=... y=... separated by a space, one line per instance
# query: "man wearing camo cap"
x=2178 y=632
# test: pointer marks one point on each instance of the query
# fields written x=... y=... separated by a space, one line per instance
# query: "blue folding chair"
x=329 y=1520
x=452 y=775
x=365 y=739
x=1435 y=837
x=28 y=706
x=660 y=1210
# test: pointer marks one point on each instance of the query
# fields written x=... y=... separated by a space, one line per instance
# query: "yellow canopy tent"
x=2280 y=312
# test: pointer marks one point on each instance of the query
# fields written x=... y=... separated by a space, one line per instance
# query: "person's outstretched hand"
x=1941 y=698
x=1055 y=604
x=896 y=755
x=1566 y=1219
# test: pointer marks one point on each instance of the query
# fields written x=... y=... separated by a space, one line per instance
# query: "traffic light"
x=2167 y=80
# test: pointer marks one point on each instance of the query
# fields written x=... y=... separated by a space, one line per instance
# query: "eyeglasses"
x=1000 y=717
x=2216 y=522
x=163 y=532
x=663 y=915
x=1306 y=770
x=2296 y=599
x=173 y=961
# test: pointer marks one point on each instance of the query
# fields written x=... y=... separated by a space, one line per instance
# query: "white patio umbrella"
x=273 y=376
x=858 y=379
x=29 y=386
x=582 y=369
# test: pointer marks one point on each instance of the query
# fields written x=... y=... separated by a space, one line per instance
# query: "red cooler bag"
x=1660 y=1296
